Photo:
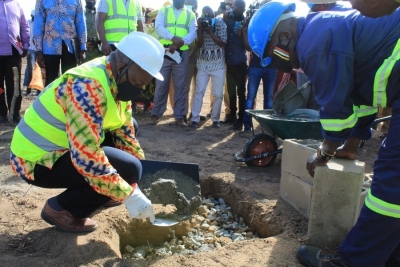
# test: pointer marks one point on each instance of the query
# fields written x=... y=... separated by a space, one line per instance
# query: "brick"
x=294 y=157
x=335 y=202
x=296 y=192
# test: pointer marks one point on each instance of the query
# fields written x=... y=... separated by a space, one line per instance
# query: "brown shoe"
x=111 y=203
x=66 y=222
x=180 y=123
x=154 y=120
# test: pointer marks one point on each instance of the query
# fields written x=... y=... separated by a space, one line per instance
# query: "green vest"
x=178 y=27
x=42 y=129
x=119 y=22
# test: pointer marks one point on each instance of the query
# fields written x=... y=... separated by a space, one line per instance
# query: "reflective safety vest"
x=178 y=27
x=119 y=22
x=43 y=127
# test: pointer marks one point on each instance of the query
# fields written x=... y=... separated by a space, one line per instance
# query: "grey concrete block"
x=335 y=202
x=294 y=157
x=296 y=192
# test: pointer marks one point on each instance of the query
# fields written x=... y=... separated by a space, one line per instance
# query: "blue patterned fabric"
x=57 y=21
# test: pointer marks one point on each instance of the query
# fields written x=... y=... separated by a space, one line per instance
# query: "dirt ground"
x=253 y=193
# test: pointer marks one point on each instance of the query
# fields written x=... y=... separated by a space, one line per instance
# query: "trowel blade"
x=164 y=222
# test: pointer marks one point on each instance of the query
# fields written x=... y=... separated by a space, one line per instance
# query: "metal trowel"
x=164 y=222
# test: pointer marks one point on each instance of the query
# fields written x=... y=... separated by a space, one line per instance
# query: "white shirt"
x=165 y=33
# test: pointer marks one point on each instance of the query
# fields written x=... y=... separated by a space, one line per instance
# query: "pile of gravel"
x=214 y=225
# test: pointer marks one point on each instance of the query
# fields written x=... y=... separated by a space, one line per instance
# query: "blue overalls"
x=353 y=62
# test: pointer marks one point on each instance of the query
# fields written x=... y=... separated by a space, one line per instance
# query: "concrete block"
x=296 y=192
x=294 y=157
x=335 y=202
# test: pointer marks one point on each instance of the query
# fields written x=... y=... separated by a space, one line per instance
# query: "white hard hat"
x=145 y=51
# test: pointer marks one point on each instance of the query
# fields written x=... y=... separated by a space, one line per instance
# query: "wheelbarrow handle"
x=260 y=156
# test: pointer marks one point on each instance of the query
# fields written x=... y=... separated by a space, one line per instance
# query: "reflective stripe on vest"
x=382 y=207
x=178 y=27
x=43 y=127
x=120 y=22
x=337 y=125
x=382 y=77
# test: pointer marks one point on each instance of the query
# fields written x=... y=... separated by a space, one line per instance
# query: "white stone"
x=129 y=248
x=202 y=209
x=205 y=226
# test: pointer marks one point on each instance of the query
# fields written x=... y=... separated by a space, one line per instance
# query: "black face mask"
x=280 y=59
x=237 y=16
x=126 y=90
x=90 y=5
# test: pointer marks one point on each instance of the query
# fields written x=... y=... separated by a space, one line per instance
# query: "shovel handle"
x=302 y=88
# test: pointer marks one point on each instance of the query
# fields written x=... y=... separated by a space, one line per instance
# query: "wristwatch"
x=322 y=154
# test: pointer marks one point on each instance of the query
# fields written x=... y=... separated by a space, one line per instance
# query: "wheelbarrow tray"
x=305 y=125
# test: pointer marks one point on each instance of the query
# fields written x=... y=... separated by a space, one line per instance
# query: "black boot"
x=237 y=126
x=314 y=257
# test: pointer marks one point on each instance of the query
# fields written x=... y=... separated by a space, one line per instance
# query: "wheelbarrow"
x=262 y=149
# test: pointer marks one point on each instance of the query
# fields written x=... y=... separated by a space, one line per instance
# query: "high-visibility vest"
x=120 y=22
x=178 y=27
x=43 y=127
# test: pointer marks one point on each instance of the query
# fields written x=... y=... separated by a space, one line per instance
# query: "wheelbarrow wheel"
x=258 y=144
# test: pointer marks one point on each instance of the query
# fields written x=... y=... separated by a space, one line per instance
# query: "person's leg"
x=241 y=70
x=202 y=80
x=68 y=60
x=162 y=88
x=268 y=86
x=171 y=92
x=52 y=67
x=179 y=73
x=13 y=61
x=80 y=199
x=254 y=75
x=3 y=105
x=27 y=71
x=218 y=81
x=231 y=88
x=191 y=83
x=376 y=234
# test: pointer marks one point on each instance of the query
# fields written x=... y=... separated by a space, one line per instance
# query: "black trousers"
x=6 y=73
x=52 y=64
x=80 y=199
x=236 y=83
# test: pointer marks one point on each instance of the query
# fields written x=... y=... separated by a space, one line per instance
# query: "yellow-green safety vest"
x=178 y=27
x=43 y=127
x=120 y=22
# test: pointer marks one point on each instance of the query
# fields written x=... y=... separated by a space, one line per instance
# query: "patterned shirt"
x=211 y=56
x=84 y=110
x=57 y=21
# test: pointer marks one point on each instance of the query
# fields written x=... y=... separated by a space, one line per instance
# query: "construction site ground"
x=253 y=193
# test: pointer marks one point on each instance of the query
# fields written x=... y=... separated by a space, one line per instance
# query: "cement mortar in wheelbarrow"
x=262 y=149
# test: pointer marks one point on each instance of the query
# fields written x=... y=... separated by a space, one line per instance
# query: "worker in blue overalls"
x=353 y=62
